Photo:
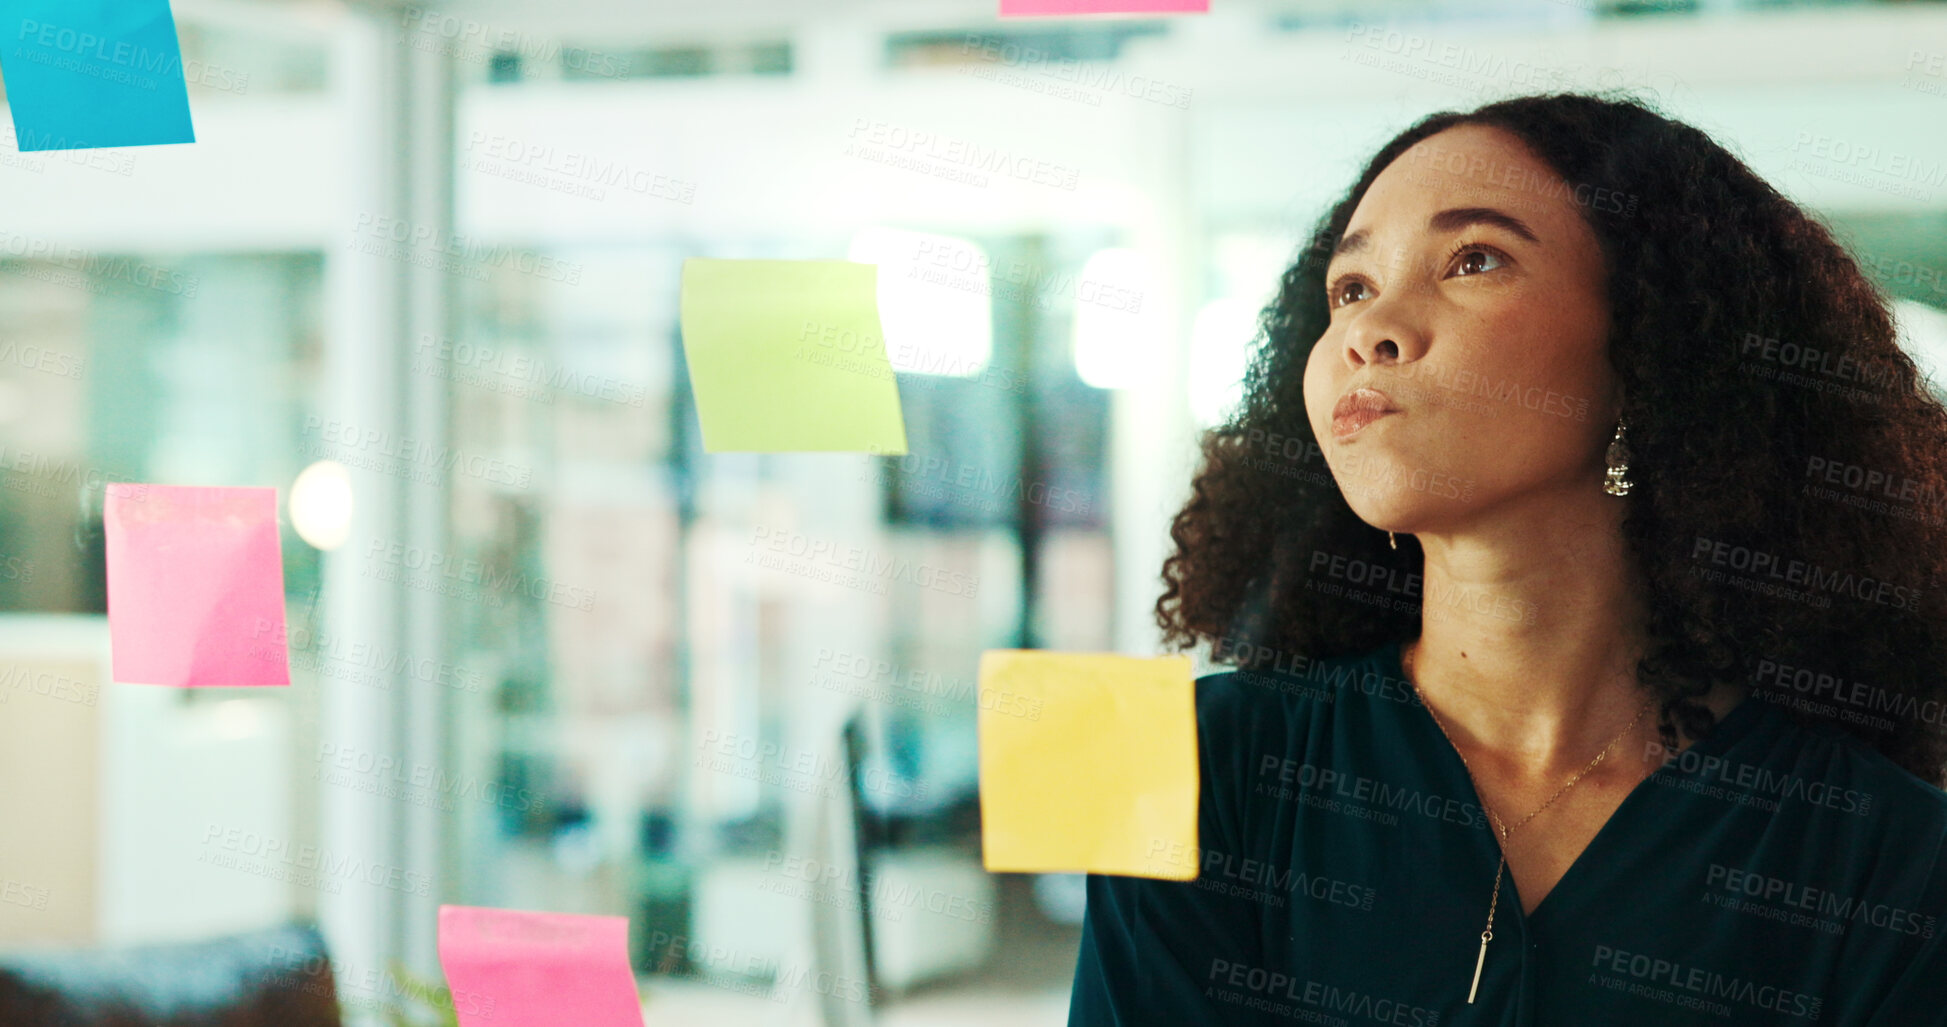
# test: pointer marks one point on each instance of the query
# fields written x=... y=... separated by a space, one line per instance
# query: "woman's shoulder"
x=1284 y=692
x=1897 y=797
x=1820 y=752
x=1253 y=724
x=1857 y=802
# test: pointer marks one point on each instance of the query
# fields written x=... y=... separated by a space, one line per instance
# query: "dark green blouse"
x=1771 y=873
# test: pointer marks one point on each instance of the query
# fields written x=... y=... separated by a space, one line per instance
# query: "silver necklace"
x=1487 y=934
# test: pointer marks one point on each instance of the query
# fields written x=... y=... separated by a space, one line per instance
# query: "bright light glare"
x=1922 y=331
x=321 y=504
x=1117 y=340
x=933 y=300
x=1220 y=351
x=236 y=719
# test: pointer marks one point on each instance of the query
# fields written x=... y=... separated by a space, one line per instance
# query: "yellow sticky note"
x=787 y=356
x=1088 y=762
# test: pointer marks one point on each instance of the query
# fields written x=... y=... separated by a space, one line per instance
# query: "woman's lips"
x=1358 y=408
x=1344 y=427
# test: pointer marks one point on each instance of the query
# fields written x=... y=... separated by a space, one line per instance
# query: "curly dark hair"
x=1748 y=461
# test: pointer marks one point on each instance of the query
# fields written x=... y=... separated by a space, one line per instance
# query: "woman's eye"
x=1466 y=257
x=1339 y=297
x=1469 y=263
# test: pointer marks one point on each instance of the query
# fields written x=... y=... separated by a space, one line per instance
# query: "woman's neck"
x=1529 y=642
x=1539 y=714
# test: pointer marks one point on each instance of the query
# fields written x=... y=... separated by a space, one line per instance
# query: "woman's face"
x=1471 y=294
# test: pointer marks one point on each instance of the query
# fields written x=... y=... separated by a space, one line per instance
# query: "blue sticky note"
x=84 y=74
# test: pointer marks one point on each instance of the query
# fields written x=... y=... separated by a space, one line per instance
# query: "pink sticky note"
x=1016 y=8
x=509 y=968
x=195 y=586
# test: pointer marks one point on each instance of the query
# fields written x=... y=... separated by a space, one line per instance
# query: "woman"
x=1641 y=721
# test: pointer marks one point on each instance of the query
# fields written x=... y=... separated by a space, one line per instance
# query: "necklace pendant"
x=1479 y=961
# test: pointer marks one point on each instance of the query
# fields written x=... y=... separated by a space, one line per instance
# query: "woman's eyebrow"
x=1450 y=220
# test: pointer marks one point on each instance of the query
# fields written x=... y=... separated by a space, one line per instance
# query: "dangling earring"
x=1390 y=540
x=1616 y=484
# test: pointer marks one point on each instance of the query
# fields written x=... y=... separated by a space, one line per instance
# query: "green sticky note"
x=787 y=356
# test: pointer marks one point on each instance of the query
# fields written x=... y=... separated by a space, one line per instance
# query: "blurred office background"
x=558 y=658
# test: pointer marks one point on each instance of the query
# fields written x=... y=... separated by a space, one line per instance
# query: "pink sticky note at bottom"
x=1016 y=8
x=509 y=968
x=195 y=586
